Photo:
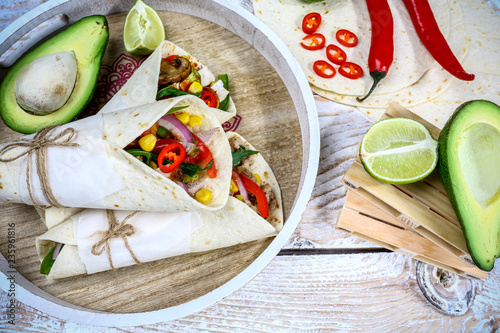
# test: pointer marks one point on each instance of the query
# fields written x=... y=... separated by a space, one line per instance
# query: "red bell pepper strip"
x=382 y=42
x=351 y=70
x=324 y=69
x=311 y=22
x=313 y=42
x=207 y=156
x=174 y=153
x=346 y=38
x=260 y=196
x=162 y=143
x=209 y=96
x=170 y=58
x=335 y=54
x=428 y=30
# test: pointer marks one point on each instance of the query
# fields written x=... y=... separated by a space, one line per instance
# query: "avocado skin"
x=483 y=256
x=88 y=39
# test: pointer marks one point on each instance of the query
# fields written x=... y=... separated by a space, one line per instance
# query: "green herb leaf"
x=169 y=91
x=225 y=82
x=48 y=262
x=192 y=170
x=240 y=155
x=140 y=152
x=177 y=108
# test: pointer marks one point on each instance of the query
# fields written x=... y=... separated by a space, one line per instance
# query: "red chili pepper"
x=170 y=58
x=324 y=69
x=260 y=196
x=206 y=154
x=311 y=22
x=382 y=42
x=428 y=30
x=174 y=153
x=209 y=96
x=350 y=70
x=335 y=54
x=162 y=143
x=313 y=42
x=346 y=38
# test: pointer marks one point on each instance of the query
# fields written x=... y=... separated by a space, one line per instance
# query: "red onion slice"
x=183 y=185
x=241 y=187
x=179 y=126
x=56 y=251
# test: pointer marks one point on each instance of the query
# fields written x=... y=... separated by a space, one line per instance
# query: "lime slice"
x=143 y=30
x=398 y=151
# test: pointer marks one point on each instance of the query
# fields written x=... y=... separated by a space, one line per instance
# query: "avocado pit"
x=46 y=84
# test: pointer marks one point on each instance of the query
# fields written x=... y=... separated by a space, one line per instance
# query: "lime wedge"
x=143 y=30
x=398 y=151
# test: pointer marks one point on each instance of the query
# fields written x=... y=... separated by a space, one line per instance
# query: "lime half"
x=143 y=30
x=398 y=151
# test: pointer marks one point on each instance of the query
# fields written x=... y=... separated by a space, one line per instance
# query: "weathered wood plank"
x=369 y=292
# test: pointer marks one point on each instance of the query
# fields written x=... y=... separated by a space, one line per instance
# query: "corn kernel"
x=153 y=165
x=195 y=88
x=233 y=187
x=195 y=121
x=204 y=195
x=183 y=117
x=239 y=197
x=257 y=178
x=147 y=142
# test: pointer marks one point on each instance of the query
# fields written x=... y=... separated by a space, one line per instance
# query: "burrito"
x=100 y=240
x=108 y=161
x=253 y=181
x=168 y=72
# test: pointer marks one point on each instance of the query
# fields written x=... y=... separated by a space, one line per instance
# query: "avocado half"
x=88 y=39
x=469 y=166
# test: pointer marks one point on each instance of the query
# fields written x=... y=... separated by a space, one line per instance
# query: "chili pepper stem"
x=377 y=76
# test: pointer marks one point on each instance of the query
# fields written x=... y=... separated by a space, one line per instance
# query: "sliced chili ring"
x=324 y=69
x=170 y=58
x=335 y=54
x=346 y=38
x=209 y=96
x=351 y=70
x=311 y=22
x=313 y=42
x=260 y=196
x=174 y=153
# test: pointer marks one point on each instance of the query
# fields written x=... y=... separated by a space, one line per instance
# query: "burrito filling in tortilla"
x=246 y=185
x=172 y=149
x=181 y=75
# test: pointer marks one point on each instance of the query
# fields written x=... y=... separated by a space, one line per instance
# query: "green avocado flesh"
x=469 y=166
x=88 y=39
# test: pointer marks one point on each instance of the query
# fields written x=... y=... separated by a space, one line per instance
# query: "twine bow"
x=38 y=146
x=115 y=229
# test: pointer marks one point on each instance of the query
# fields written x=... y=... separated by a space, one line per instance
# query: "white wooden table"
x=323 y=279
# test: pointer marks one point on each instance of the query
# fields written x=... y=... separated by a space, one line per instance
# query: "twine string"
x=38 y=145
x=115 y=229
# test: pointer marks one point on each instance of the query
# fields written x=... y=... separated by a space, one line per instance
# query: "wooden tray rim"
x=263 y=39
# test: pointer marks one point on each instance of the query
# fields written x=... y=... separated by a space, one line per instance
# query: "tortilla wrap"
x=258 y=165
x=483 y=28
x=414 y=77
x=142 y=86
x=158 y=235
x=141 y=187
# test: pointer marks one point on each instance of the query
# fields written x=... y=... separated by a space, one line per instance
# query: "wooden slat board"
x=263 y=103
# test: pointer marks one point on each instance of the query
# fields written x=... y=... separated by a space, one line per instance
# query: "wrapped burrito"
x=170 y=71
x=99 y=173
x=253 y=182
x=87 y=243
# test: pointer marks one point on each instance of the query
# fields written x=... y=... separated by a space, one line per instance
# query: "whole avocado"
x=87 y=39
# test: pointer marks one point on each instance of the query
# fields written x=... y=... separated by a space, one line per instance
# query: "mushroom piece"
x=175 y=71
